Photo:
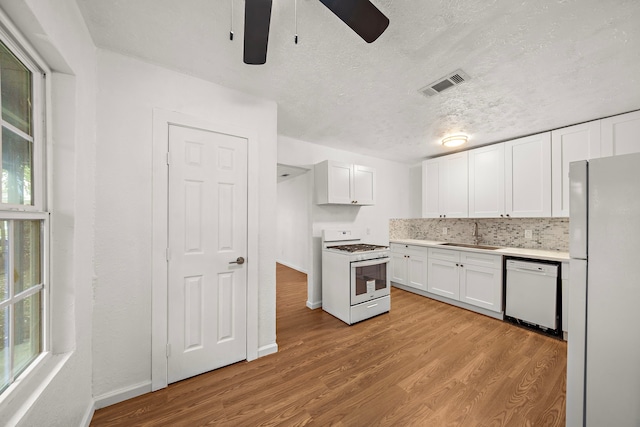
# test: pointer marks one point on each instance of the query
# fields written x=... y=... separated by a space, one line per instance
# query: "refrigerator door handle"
x=578 y=208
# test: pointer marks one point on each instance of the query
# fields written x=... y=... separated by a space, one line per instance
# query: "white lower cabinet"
x=444 y=273
x=409 y=265
x=470 y=277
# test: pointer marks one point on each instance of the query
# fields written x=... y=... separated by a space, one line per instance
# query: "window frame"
x=24 y=52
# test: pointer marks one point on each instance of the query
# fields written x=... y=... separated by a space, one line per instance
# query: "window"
x=23 y=220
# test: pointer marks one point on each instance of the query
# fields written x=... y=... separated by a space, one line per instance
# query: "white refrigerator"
x=603 y=356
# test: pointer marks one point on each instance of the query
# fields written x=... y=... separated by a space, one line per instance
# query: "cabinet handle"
x=461 y=265
x=457 y=265
x=501 y=216
x=507 y=215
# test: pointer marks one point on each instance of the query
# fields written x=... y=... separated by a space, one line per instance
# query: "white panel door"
x=570 y=144
x=486 y=182
x=444 y=278
x=340 y=178
x=399 y=266
x=454 y=188
x=620 y=134
x=417 y=268
x=207 y=232
x=482 y=287
x=528 y=176
x=431 y=188
x=364 y=185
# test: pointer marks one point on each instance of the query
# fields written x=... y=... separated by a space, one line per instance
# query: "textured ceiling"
x=534 y=65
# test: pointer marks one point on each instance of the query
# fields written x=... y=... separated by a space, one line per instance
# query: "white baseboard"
x=295 y=267
x=88 y=416
x=267 y=349
x=121 y=395
x=314 y=305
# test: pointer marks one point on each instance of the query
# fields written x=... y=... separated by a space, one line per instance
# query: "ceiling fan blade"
x=257 y=16
x=361 y=16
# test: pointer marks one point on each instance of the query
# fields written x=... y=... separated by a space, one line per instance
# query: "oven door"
x=369 y=280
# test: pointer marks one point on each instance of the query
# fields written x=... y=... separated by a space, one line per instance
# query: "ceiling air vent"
x=450 y=80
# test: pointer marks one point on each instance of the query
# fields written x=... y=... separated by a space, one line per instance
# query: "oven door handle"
x=369 y=262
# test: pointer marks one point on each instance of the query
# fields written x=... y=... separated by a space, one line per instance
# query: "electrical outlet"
x=528 y=234
x=444 y=230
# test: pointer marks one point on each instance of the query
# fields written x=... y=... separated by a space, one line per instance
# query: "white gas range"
x=355 y=281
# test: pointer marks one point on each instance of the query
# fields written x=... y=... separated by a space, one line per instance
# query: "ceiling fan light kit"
x=361 y=16
x=454 y=140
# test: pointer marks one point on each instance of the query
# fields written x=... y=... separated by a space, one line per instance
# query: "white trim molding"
x=268 y=349
x=314 y=305
x=161 y=121
x=121 y=395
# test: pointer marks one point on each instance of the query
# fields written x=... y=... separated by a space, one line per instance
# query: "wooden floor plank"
x=424 y=363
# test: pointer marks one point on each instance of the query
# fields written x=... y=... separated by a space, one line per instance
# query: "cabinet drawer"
x=444 y=254
x=480 y=259
x=368 y=309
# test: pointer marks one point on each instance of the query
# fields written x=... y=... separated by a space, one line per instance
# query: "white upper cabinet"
x=620 y=134
x=570 y=144
x=445 y=187
x=431 y=189
x=486 y=182
x=364 y=185
x=344 y=183
x=528 y=176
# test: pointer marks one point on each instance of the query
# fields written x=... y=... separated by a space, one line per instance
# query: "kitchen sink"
x=467 y=245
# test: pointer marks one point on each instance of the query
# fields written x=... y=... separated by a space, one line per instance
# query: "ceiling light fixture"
x=454 y=141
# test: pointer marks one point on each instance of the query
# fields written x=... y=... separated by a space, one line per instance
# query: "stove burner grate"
x=358 y=247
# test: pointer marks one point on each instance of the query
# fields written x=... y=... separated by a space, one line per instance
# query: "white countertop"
x=520 y=252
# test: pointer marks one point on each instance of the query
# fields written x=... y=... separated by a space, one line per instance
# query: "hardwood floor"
x=423 y=364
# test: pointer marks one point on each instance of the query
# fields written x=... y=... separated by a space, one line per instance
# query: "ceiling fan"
x=360 y=15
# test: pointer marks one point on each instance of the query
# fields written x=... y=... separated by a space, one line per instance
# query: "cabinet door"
x=454 y=188
x=481 y=286
x=528 y=176
x=364 y=184
x=339 y=182
x=431 y=188
x=417 y=268
x=443 y=278
x=486 y=182
x=399 y=266
x=570 y=144
x=620 y=134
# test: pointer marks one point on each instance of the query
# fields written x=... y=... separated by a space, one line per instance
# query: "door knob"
x=239 y=260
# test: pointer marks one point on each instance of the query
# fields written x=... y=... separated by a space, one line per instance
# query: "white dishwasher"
x=532 y=294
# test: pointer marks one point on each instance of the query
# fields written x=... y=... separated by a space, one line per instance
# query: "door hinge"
x=168 y=254
x=168 y=350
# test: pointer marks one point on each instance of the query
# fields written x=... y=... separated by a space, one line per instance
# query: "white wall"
x=59 y=392
x=293 y=237
x=393 y=201
x=128 y=92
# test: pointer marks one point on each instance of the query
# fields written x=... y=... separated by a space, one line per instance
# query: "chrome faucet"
x=476 y=237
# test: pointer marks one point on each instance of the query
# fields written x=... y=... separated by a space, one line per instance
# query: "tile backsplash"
x=546 y=233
